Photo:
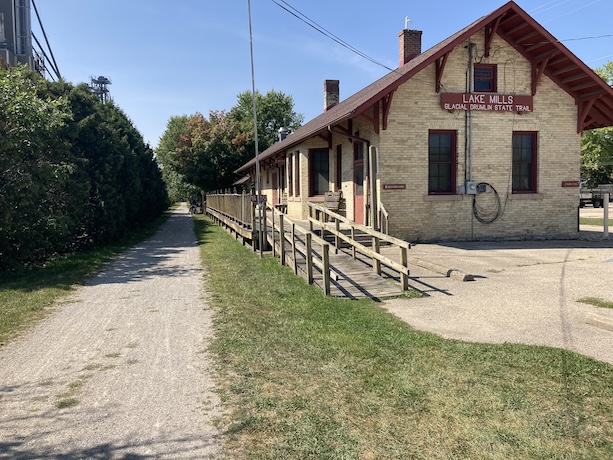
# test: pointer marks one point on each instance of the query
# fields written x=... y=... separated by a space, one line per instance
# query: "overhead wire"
x=311 y=23
x=322 y=30
x=40 y=23
x=57 y=72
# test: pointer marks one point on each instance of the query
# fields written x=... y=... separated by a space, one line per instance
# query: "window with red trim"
x=319 y=171
x=442 y=162
x=524 y=162
x=485 y=78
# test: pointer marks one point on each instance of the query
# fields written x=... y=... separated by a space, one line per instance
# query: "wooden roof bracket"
x=490 y=31
x=538 y=69
x=326 y=137
x=375 y=117
x=440 y=69
x=387 y=104
x=583 y=112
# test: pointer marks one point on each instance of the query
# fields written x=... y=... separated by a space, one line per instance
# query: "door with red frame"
x=358 y=182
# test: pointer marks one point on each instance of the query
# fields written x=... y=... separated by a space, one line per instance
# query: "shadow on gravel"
x=187 y=448
x=151 y=257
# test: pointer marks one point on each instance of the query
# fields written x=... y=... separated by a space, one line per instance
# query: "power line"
x=57 y=72
x=55 y=66
x=308 y=21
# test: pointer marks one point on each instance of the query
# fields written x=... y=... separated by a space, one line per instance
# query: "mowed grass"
x=305 y=376
x=594 y=221
x=25 y=296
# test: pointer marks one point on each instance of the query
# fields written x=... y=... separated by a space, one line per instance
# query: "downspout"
x=471 y=87
x=470 y=113
x=366 y=168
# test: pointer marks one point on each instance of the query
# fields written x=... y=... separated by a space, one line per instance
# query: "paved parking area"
x=524 y=292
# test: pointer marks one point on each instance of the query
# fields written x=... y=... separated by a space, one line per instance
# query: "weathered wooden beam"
x=440 y=70
x=490 y=32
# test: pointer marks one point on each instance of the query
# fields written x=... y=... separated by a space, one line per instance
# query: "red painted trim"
x=311 y=175
x=376 y=116
x=583 y=111
x=453 y=162
x=440 y=69
x=535 y=157
x=490 y=31
x=387 y=104
x=538 y=69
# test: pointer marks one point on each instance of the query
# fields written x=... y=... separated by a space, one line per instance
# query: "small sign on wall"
x=570 y=183
x=394 y=186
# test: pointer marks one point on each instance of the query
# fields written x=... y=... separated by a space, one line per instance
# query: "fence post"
x=605 y=205
x=353 y=239
x=282 y=238
x=376 y=263
x=310 y=217
x=325 y=256
x=323 y=227
x=337 y=239
x=254 y=232
x=309 y=257
x=404 y=278
x=264 y=227
x=294 y=248
x=274 y=248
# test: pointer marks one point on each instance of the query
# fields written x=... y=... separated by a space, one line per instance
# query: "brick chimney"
x=331 y=94
x=410 y=45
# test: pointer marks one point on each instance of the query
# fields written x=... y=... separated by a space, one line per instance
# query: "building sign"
x=489 y=102
x=394 y=186
x=570 y=183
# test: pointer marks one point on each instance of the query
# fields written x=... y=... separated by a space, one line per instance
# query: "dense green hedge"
x=74 y=172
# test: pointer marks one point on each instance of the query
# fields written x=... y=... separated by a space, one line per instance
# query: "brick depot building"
x=478 y=137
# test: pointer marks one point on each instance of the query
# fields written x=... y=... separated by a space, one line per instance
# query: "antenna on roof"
x=407 y=21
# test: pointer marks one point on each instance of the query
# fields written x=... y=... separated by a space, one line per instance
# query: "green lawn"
x=594 y=221
x=305 y=376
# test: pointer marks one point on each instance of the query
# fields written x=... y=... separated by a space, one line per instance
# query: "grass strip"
x=594 y=221
x=596 y=302
x=26 y=295
x=307 y=376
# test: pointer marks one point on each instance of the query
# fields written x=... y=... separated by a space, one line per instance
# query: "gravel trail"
x=120 y=369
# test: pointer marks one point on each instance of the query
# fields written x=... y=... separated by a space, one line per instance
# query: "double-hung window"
x=442 y=162
x=319 y=171
x=524 y=162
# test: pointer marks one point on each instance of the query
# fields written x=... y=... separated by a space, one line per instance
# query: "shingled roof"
x=548 y=56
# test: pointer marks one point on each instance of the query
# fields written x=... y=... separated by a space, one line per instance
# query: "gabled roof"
x=548 y=57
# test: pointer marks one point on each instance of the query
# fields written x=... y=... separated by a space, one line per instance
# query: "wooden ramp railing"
x=330 y=222
x=311 y=256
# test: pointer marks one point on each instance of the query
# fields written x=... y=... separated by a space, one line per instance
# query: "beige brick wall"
x=403 y=155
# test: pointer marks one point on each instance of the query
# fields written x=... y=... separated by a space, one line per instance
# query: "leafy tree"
x=274 y=110
x=205 y=152
x=210 y=153
x=597 y=145
x=34 y=167
x=73 y=172
x=178 y=187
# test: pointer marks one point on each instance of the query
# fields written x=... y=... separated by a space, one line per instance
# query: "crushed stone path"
x=120 y=370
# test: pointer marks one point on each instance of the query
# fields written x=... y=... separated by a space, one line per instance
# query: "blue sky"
x=179 y=57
